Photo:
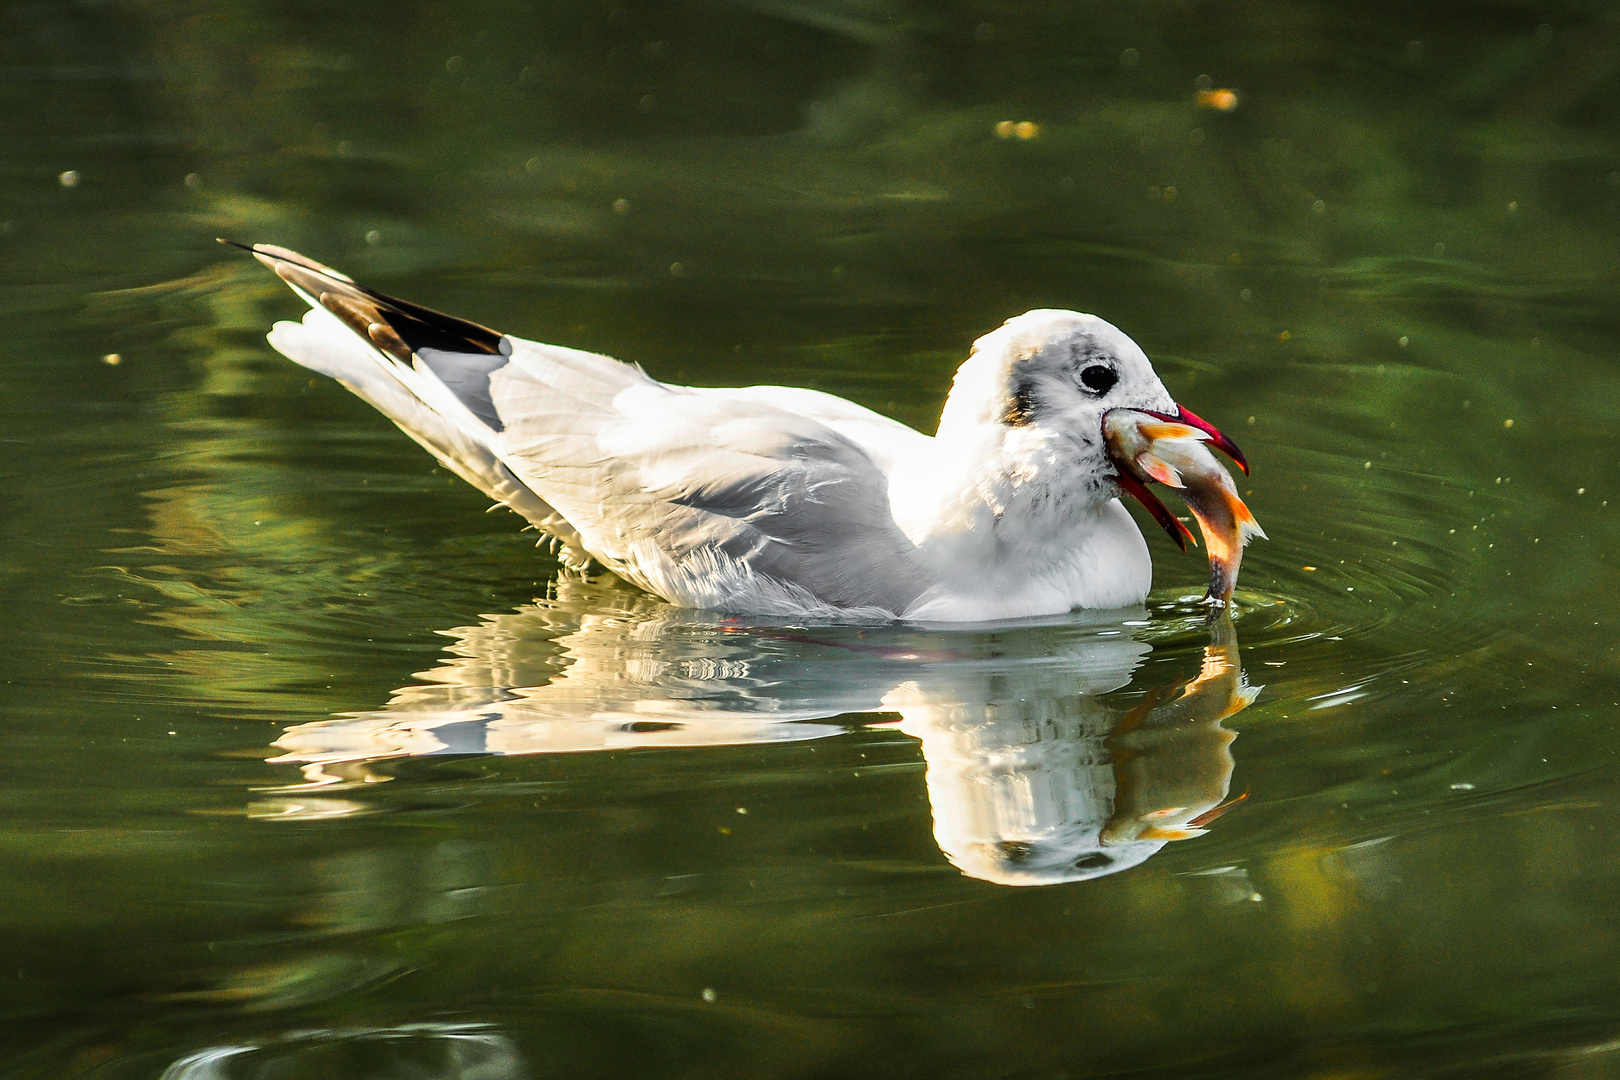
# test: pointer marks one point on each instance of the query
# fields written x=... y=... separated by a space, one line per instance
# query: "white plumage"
x=771 y=500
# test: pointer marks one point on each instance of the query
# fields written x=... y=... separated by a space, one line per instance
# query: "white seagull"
x=788 y=502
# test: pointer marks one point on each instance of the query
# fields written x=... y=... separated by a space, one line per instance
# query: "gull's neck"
x=995 y=493
x=1015 y=522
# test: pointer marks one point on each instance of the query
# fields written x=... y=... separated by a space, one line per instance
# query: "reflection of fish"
x=1177 y=455
x=1172 y=765
x=1026 y=783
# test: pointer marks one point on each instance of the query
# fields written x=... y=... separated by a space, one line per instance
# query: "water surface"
x=313 y=768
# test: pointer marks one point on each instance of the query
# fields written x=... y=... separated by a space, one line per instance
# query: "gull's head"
x=1047 y=379
x=1041 y=383
x=1058 y=371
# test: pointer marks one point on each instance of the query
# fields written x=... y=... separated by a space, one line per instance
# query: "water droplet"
x=709 y=994
x=69 y=178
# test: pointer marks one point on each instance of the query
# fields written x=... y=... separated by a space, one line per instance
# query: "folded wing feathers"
x=683 y=491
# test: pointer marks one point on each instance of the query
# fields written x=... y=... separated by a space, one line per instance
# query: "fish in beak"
x=1174 y=450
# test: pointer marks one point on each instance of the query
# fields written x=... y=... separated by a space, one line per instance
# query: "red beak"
x=1161 y=513
x=1139 y=491
x=1184 y=415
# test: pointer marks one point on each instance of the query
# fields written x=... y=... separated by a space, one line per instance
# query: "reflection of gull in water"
x=426 y=1051
x=1033 y=779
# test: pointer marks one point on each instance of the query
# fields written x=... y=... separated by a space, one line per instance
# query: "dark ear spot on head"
x=1020 y=406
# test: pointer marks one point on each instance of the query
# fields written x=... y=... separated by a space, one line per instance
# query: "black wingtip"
x=235 y=244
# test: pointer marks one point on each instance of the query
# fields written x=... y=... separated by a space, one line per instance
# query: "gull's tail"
x=409 y=362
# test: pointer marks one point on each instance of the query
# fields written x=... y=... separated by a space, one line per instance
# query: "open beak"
x=1171 y=449
x=1161 y=513
x=1138 y=490
x=1217 y=439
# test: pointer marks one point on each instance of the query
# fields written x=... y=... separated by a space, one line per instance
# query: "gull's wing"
x=715 y=499
x=766 y=499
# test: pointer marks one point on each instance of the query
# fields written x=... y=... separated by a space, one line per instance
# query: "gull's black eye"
x=1098 y=378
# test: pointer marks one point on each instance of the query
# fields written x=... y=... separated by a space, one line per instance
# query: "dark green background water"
x=1390 y=272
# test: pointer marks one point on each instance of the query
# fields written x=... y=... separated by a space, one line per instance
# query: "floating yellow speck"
x=1284 y=336
x=1022 y=129
x=1221 y=100
x=112 y=359
x=1507 y=423
x=1312 y=569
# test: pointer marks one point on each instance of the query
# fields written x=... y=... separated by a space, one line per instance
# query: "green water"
x=282 y=706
